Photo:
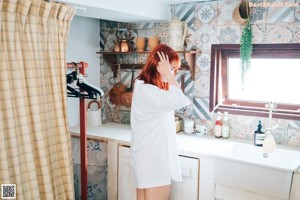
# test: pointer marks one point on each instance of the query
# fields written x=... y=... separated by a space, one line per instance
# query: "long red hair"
x=149 y=73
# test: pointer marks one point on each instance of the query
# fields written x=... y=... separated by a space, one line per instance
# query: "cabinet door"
x=189 y=187
x=126 y=187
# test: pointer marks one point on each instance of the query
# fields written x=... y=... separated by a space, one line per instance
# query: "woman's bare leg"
x=140 y=194
x=157 y=193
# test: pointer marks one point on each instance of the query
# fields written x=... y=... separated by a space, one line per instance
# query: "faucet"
x=269 y=143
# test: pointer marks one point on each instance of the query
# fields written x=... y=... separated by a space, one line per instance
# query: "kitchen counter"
x=188 y=144
x=203 y=147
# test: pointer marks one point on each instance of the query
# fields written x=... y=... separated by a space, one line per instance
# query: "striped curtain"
x=35 y=145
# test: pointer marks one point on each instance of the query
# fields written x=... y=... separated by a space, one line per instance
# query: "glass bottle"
x=225 y=126
x=218 y=125
x=259 y=135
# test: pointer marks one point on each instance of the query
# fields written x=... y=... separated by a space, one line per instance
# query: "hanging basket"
x=241 y=13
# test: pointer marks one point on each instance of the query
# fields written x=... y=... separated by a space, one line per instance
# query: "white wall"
x=83 y=43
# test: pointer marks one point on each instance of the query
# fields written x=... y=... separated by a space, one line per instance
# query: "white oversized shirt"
x=154 y=157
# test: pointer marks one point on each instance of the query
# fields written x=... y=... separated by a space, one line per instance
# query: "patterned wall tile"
x=102 y=41
x=258 y=14
x=228 y=34
x=162 y=31
x=293 y=124
x=241 y=131
x=293 y=137
x=185 y=12
x=279 y=33
x=296 y=32
x=259 y=33
x=224 y=10
x=189 y=41
x=201 y=108
x=201 y=88
x=125 y=117
x=280 y=14
x=126 y=76
x=297 y=13
x=188 y=82
x=205 y=14
x=106 y=79
x=205 y=36
x=203 y=62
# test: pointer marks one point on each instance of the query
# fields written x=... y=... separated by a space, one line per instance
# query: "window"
x=274 y=76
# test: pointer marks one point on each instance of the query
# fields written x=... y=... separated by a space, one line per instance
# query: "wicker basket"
x=237 y=16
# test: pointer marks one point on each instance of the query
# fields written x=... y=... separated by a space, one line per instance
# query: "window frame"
x=218 y=99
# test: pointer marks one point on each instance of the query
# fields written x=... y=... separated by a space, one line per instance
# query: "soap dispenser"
x=259 y=135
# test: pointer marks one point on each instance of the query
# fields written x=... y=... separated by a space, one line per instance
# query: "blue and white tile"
x=203 y=62
x=258 y=14
x=297 y=12
x=126 y=76
x=201 y=86
x=281 y=14
x=106 y=79
x=189 y=39
x=205 y=14
x=293 y=137
x=259 y=33
x=294 y=124
x=228 y=34
x=224 y=10
x=279 y=33
x=296 y=32
x=102 y=41
x=205 y=36
x=201 y=108
x=125 y=117
x=188 y=82
x=186 y=13
x=162 y=31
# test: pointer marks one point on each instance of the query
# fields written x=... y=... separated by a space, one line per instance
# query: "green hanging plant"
x=246 y=50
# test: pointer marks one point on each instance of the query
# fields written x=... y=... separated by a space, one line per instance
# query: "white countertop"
x=188 y=144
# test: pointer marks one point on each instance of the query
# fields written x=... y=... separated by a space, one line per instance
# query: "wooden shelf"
x=111 y=57
x=138 y=52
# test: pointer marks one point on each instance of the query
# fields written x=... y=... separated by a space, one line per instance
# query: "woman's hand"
x=164 y=67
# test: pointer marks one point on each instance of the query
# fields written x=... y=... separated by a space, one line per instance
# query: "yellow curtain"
x=35 y=146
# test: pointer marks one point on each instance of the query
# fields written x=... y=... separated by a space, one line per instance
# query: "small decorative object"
x=153 y=42
x=124 y=40
x=178 y=30
x=246 y=50
x=241 y=13
x=140 y=43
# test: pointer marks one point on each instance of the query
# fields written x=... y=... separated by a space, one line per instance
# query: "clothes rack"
x=83 y=129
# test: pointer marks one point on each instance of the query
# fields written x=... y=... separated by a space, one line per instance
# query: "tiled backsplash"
x=208 y=23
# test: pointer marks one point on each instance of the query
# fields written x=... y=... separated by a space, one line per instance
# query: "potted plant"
x=246 y=50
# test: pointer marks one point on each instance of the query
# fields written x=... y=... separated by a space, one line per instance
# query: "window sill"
x=259 y=112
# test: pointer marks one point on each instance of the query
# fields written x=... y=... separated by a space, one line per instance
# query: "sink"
x=247 y=167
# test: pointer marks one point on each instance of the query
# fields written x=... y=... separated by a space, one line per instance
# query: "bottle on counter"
x=218 y=125
x=225 y=126
x=259 y=135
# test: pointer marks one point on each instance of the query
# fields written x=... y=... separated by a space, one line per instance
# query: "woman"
x=156 y=95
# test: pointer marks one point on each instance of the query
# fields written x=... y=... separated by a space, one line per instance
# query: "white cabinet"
x=187 y=189
x=126 y=187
